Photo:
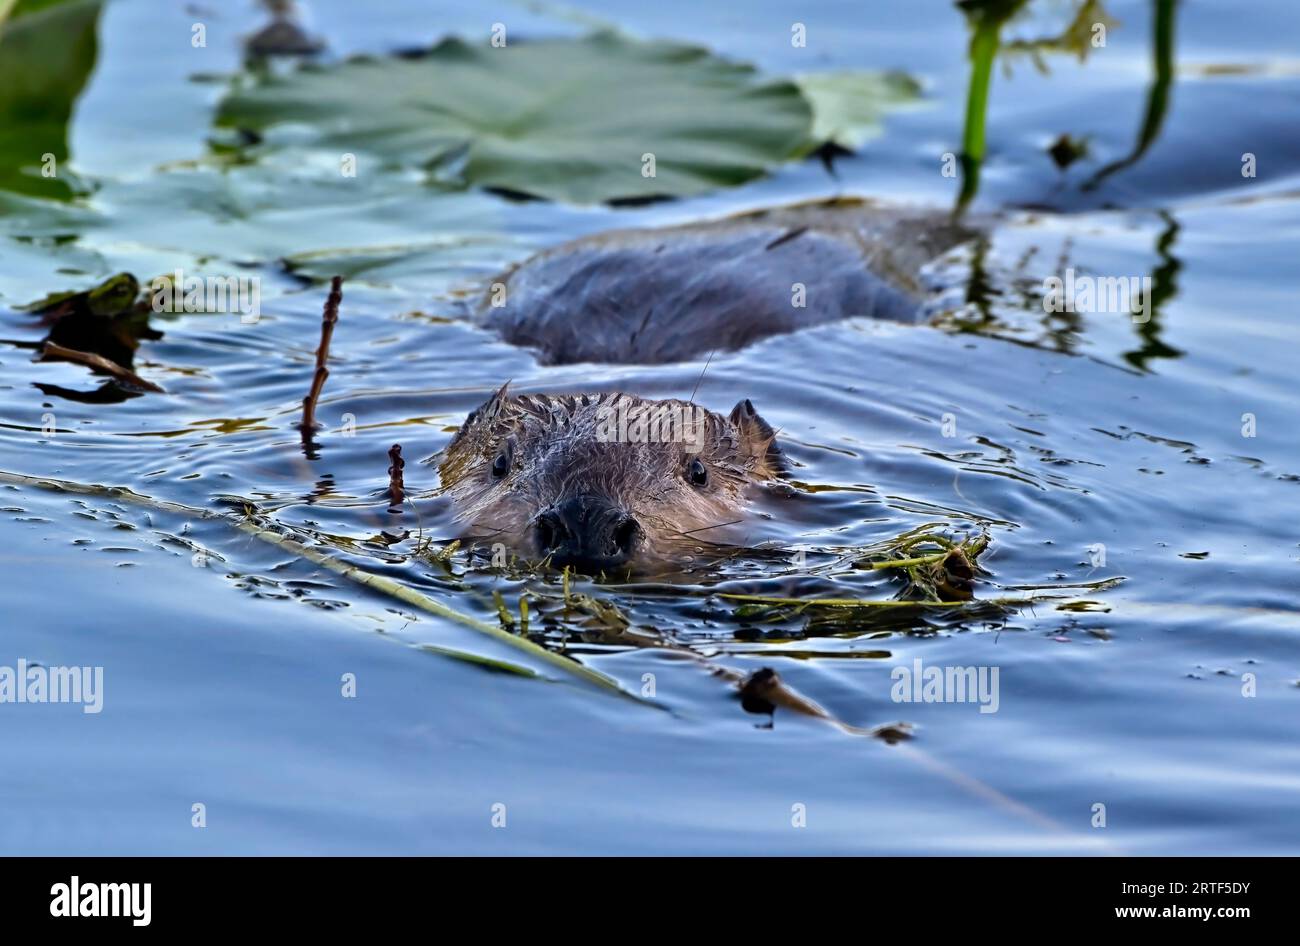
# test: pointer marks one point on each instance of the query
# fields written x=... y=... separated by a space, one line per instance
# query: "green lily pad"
x=848 y=106
x=564 y=119
x=430 y=267
x=209 y=220
x=47 y=51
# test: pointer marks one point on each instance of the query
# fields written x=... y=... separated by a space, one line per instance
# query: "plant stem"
x=329 y=318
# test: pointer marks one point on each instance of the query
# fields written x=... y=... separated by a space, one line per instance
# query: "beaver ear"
x=485 y=414
x=757 y=436
x=490 y=409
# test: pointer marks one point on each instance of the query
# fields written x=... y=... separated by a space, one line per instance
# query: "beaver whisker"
x=698 y=381
x=716 y=525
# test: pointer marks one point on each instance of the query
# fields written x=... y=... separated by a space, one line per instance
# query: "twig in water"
x=98 y=363
x=396 y=488
x=328 y=318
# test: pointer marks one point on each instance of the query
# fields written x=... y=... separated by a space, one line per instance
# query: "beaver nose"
x=588 y=532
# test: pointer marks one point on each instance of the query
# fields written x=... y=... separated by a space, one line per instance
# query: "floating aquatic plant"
x=599 y=118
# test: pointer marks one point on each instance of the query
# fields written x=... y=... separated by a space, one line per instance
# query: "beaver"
x=603 y=482
x=652 y=296
x=551 y=477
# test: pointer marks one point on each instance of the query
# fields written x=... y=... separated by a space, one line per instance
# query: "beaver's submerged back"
x=653 y=296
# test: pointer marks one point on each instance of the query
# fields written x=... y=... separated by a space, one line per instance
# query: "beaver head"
x=603 y=481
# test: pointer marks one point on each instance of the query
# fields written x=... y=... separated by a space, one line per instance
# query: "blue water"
x=223 y=679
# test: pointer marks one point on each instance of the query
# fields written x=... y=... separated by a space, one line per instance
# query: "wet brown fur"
x=559 y=446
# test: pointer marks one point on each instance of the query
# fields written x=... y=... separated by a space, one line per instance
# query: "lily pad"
x=848 y=106
x=431 y=267
x=564 y=119
x=47 y=51
x=221 y=220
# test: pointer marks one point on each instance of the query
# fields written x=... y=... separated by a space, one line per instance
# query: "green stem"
x=908 y=562
x=983 y=50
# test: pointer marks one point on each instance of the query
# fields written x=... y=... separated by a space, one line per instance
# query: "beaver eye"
x=501 y=465
x=697 y=472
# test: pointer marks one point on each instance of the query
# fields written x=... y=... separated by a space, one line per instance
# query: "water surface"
x=1067 y=435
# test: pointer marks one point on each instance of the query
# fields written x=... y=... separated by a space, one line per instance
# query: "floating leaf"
x=847 y=106
x=429 y=266
x=212 y=219
x=47 y=51
x=564 y=119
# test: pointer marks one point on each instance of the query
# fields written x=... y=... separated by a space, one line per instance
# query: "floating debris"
x=100 y=328
x=396 y=488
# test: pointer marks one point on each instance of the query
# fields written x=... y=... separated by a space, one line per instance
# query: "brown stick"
x=98 y=363
x=328 y=318
x=396 y=488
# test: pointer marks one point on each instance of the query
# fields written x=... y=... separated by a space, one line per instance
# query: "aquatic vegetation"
x=329 y=318
x=939 y=573
x=1082 y=35
x=101 y=328
x=47 y=52
x=251 y=522
x=600 y=118
x=546 y=118
x=848 y=107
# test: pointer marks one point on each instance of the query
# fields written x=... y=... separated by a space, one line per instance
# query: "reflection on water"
x=1085 y=32
x=1105 y=458
x=1004 y=298
x=1162 y=65
x=1164 y=287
